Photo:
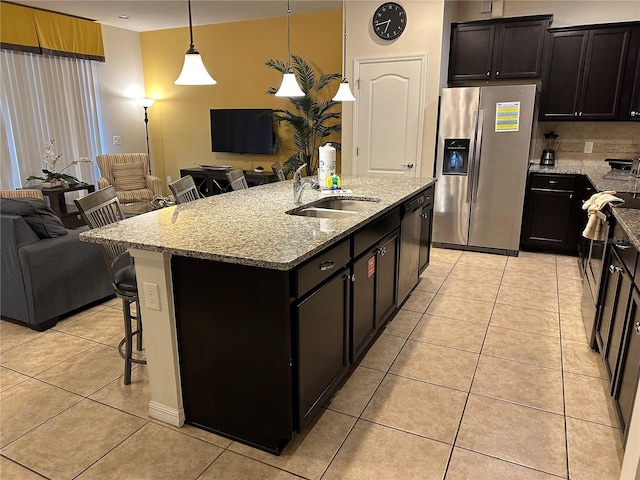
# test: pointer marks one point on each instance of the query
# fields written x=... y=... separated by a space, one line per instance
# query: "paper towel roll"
x=327 y=165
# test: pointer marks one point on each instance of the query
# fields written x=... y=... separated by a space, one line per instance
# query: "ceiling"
x=145 y=15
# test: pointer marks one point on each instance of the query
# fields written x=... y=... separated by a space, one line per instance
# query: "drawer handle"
x=428 y=197
x=614 y=269
x=621 y=246
x=425 y=215
x=553 y=182
x=637 y=327
x=327 y=266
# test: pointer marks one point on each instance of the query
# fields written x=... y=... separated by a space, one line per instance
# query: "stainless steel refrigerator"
x=484 y=140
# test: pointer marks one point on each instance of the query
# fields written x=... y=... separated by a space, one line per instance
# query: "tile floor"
x=484 y=374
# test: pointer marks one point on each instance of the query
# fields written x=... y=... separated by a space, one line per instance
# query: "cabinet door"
x=611 y=338
x=322 y=347
x=603 y=73
x=386 y=278
x=630 y=98
x=561 y=85
x=518 y=50
x=629 y=366
x=363 y=317
x=548 y=219
x=471 y=52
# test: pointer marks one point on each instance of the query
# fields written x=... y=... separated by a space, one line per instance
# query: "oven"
x=592 y=263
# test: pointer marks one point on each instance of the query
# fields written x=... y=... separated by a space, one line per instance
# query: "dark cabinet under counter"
x=552 y=213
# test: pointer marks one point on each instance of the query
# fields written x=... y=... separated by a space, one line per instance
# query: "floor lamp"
x=146 y=103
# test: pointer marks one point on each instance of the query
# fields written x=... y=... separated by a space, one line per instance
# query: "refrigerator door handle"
x=477 y=155
x=472 y=150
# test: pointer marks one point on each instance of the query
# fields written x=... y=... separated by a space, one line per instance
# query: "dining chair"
x=237 y=179
x=99 y=209
x=185 y=190
x=278 y=172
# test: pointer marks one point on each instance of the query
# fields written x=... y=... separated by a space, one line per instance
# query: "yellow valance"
x=40 y=31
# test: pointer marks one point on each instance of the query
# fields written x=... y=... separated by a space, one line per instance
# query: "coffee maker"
x=549 y=149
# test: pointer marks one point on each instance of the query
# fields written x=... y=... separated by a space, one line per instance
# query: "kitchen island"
x=257 y=314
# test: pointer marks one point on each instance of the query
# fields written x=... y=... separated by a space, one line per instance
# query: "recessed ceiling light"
x=123 y=17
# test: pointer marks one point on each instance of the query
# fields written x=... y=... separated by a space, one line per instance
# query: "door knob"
x=408 y=165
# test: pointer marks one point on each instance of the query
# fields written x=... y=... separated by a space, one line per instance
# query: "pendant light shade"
x=289 y=86
x=344 y=92
x=193 y=71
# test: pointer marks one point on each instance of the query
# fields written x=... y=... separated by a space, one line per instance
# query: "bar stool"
x=103 y=208
x=185 y=190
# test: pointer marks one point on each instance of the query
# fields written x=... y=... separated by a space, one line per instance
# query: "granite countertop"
x=251 y=227
x=605 y=179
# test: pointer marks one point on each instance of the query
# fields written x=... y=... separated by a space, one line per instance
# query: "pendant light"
x=344 y=92
x=193 y=70
x=289 y=86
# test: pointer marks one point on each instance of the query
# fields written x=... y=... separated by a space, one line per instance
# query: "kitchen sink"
x=323 y=213
x=354 y=205
x=334 y=208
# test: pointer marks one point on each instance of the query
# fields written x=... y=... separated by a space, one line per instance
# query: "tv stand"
x=203 y=178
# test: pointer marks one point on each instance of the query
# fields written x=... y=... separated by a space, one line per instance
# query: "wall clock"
x=389 y=20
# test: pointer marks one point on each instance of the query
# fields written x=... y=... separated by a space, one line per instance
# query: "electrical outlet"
x=168 y=179
x=152 y=296
x=485 y=7
x=588 y=147
x=117 y=140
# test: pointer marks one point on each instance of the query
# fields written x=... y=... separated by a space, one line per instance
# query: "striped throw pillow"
x=128 y=176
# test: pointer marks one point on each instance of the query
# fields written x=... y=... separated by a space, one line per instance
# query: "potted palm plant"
x=311 y=119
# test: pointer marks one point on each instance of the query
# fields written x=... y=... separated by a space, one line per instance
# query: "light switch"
x=116 y=140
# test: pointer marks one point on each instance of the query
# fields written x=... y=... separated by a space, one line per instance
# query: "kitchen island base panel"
x=160 y=343
x=234 y=341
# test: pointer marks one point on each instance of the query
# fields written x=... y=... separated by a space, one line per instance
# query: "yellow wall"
x=234 y=54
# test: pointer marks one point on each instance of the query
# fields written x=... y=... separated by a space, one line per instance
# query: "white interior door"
x=388 y=117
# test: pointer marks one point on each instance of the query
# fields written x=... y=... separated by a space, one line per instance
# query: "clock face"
x=389 y=21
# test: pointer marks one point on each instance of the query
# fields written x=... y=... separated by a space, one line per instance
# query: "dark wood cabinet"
x=321 y=331
x=630 y=100
x=628 y=373
x=497 y=49
x=618 y=325
x=613 y=311
x=551 y=214
x=584 y=75
x=374 y=292
x=214 y=181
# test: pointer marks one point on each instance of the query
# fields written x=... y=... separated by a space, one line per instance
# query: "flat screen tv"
x=242 y=130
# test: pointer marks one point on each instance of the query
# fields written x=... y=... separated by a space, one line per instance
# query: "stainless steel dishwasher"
x=410 y=230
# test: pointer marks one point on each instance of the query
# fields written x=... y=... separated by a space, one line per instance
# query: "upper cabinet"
x=508 y=48
x=587 y=72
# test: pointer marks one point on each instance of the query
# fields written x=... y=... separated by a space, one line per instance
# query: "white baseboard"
x=166 y=414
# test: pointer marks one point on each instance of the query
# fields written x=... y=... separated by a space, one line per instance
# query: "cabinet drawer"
x=319 y=268
x=624 y=248
x=375 y=231
x=553 y=182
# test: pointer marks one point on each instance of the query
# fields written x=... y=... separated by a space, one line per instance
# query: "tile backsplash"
x=610 y=140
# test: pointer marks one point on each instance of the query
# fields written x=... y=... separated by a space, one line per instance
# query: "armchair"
x=128 y=173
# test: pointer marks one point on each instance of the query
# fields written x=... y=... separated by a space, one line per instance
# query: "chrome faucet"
x=299 y=185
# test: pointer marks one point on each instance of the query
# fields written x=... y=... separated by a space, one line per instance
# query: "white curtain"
x=41 y=98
